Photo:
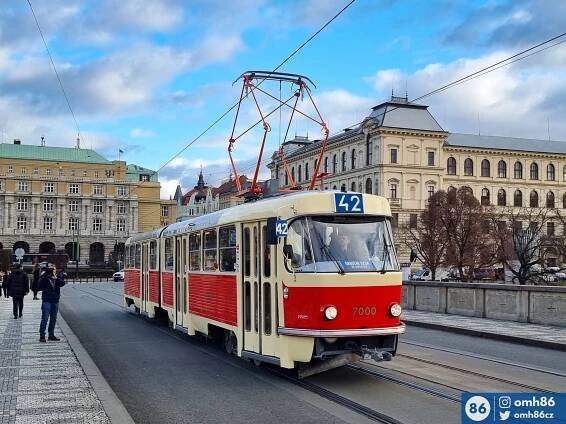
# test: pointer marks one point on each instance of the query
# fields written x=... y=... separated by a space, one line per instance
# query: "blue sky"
x=148 y=76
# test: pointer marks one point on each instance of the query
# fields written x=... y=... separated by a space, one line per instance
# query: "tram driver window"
x=194 y=252
x=153 y=255
x=168 y=255
x=137 y=265
x=228 y=248
x=210 y=251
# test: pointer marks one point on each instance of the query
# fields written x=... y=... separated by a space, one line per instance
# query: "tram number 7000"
x=364 y=310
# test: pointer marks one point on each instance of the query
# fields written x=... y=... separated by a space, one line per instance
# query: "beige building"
x=52 y=198
x=401 y=152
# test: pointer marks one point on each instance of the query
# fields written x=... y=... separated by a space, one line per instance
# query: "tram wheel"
x=230 y=342
x=137 y=309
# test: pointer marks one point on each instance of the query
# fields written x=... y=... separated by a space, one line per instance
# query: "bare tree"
x=428 y=238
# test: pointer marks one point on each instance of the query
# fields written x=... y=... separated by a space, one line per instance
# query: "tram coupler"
x=376 y=355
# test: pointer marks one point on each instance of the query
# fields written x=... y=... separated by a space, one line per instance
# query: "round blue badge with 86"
x=477 y=408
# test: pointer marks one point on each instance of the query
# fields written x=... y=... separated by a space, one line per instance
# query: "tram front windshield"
x=342 y=244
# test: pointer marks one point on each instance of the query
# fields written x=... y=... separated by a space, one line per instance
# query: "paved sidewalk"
x=532 y=334
x=41 y=382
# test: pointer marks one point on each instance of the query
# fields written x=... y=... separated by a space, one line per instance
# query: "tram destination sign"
x=348 y=203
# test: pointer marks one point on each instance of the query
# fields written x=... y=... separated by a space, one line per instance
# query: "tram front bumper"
x=355 y=332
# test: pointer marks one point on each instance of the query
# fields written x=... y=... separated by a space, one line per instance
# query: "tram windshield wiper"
x=325 y=249
x=384 y=257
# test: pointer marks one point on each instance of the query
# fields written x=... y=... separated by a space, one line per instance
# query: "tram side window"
x=266 y=252
x=210 y=250
x=168 y=255
x=137 y=264
x=247 y=252
x=227 y=248
x=153 y=255
x=194 y=252
x=127 y=259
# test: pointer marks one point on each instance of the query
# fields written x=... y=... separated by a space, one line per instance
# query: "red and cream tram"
x=308 y=280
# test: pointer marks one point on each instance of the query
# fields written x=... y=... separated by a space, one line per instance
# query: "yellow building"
x=52 y=198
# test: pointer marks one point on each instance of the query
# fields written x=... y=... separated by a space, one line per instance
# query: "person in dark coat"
x=18 y=287
x=50 y=286
x=35 y=283
x=5 y=284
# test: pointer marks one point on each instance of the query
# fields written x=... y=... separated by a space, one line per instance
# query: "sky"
x=147 y=77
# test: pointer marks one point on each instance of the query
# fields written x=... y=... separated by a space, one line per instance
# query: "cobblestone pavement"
x=518 y=330
x=41 y=382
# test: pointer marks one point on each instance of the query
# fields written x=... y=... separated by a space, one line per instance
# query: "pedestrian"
x=18 y=287
x=35 y=282
x=5 y=284
x=50 y=285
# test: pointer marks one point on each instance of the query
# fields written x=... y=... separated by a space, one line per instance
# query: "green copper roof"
x=133 y=173
x=58 y=154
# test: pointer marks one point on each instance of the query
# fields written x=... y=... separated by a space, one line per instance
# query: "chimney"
x=17 y=141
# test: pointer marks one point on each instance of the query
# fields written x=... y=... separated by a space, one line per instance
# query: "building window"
x=369 y=186
x=430 y=158
x=353 y=186
x=10 y=169
x=484 y=197
x=21 y=223
x=120 y=224
x=413 y=220
x=293 y=173
x=550 y=229
x=564 y=173
x=451 y=166
x=564 y=202
x=73 y=188
x=23 y=186
x=307 y=170
x=144 y=178
x=47 y=223
x=96 y=174
x=394 y=220
x=468 y=167
x=300 y=174
x=85 y=173
x=122 y=209
x=61 y=172
x=73 y=223
x=518 y=199
x=22 y=204
x=35 y=171
x=344 y=160
x=550 y=200
x=97 y=206
x=353 y=159
x=369 y=150
x=534 y=171
x=73 y=205
x=501 y=198
x=97 y=189
x=49 y=187
x=326 y=164
x=534 y=199
x=334 y=164
x=23 y=171
x=96 y=224
x=48 y=171
x=518 y=171
x=430 y=190
x=550 y=172
x=48 y=205
x=485 y=168
x=122 y=190
x=165 y=211
x=502 y=169
x=393 y=191
x=393 y=156
x=72 y=172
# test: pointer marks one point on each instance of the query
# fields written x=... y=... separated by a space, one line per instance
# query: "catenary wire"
x=55 y=69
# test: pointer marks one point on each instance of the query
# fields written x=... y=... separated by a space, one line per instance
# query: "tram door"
x=180 y=286
x=259 y=299
x=144 y=276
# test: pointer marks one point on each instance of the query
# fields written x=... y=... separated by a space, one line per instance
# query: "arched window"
x=286 y=178
x=501 y=198
x=468 y=167
x=334 y=187
x=306 y=171
x=502 y=169
x=518 y=170
x=353 y=187
x=451 y=166
x=550 y=172
x=369 y=149
x=534 y=199
x=564 y=173
x=518 y=199
x=343 y=161
x=293 y=173
x=550 y=200
x=485 y=168
x=343 y=188
x=300 y=174
x=353 y=159
x=369 y=186
x=534 y=171
x=334 y=164
x=326 y=164
x=485 y=197
x=564 y=201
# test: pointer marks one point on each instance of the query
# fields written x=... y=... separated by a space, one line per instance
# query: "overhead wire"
x=55 y=70
x=289 y=57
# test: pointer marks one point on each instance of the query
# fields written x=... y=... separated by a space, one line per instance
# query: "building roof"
x=402 y=114
x=506 y=143
x=134 y=171
x=230 y=186
x=50 y=153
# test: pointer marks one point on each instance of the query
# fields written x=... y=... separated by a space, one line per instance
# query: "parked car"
x=118 y=276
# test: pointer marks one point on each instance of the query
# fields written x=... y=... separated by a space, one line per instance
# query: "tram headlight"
x=395 y=310
x=330 y=312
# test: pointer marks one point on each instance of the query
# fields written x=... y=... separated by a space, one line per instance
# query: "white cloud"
x=141 y=133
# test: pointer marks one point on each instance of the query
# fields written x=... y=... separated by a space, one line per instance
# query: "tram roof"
x=145 y=236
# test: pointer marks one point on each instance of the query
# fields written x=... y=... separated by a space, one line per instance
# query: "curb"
x=112 y=405
x=488 y=335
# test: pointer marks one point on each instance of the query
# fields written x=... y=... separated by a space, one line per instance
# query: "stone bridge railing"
x=544 y=305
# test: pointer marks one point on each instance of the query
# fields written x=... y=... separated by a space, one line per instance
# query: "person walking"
x=35 y=281
x=50 y=286
x=5 y=284
x=18 y=287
